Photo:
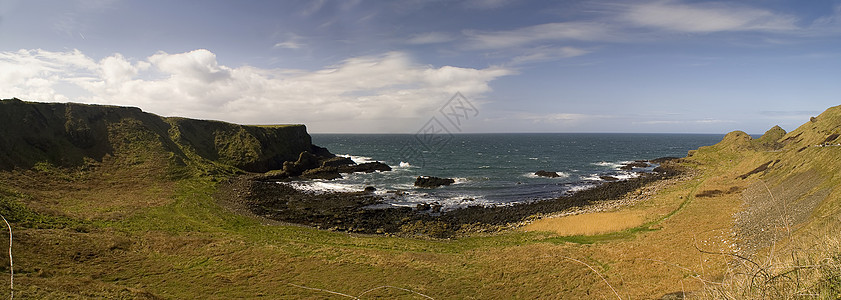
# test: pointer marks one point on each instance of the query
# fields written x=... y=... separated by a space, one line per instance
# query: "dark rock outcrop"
x=328 y=173
x=661 y=160
x=634 y=164
x=306 y=161
x=368 y=167
x=544 y=173
x=337 y=161
x=432 y=182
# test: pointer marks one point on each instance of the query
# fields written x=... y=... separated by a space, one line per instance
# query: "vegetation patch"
x=588 y=223
x=759 y=169
x=713 y=193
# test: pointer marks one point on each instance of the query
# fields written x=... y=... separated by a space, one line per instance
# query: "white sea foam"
x=358 y=159
x=460 y=180
x=320 y=186
x=619 y=175
x=578 y=188
x=560 y=174
x=463 y=201
x=626 y=175
x=405 y=165
x=592 y=177
x=612 y=165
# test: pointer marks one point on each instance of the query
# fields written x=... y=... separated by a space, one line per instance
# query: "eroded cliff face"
x=70 y=134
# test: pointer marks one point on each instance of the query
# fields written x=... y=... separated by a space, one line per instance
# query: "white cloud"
x=555 y=118
x=293 y=41
x=541 y=54
x=582 y=31
x=624 y=22
x=430 y=38
x=486 y=4
x=380 y=91
x=289 y=45
x=706 y=17
x=675 y=122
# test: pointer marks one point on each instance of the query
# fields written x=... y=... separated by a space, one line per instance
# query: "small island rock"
x=544 y=173
x=432 y=182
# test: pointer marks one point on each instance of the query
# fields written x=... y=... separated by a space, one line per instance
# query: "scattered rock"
x=635 y=164
x=608 y=178
x=663 y=159
x=432 y=182
x=544 y=173
x=369 y=189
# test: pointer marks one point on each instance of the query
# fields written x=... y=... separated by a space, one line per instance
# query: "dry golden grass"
x=180 y=244
x=588 y=223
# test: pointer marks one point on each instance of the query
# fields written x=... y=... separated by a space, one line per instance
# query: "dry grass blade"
x=323 y=290
x=363 y=293
x=11 y=261
x=394 y=287
x=785 y=209
x=597 y=273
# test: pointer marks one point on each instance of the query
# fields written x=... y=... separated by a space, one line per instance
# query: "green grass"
x=171 y=239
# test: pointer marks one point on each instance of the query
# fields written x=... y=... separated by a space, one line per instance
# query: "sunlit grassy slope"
x=125 y=227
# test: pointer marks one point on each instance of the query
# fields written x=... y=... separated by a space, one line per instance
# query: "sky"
x=662 y=66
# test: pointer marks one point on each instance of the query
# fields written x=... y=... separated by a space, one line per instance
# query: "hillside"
x=112 y=202
x=69 y=135
x=790 y=195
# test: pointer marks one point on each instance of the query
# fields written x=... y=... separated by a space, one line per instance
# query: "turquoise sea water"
x=494 y=169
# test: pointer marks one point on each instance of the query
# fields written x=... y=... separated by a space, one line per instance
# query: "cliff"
x=70 y=134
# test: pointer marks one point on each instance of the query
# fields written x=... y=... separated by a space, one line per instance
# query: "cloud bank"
x=380 y=93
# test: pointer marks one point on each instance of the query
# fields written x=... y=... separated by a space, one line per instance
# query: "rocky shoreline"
x=262 y=196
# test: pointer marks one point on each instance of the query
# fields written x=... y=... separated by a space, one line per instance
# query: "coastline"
x=347 y=212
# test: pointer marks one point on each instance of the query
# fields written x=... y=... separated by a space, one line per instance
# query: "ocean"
x=494 y=169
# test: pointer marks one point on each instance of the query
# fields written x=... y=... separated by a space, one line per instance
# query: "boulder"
x=337 y=161
x=609 y=178
x=432 y=182
x=543 y=173
x=305 y=162
x=366 y=167
x=327 y=173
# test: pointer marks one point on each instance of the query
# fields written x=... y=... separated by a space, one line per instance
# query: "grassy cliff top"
x=71 y=134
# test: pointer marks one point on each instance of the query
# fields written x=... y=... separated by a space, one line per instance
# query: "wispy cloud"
x=359 y=89
x=646 y=21
x=289 y=45
x=705 y=17
x=430 y=38
x=541 y=54
x=487 y=4
x=293 y=41
x=581 y=31
x=676 y=122
x=558 y=118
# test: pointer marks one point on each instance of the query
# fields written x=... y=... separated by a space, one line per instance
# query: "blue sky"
x=388 y=67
